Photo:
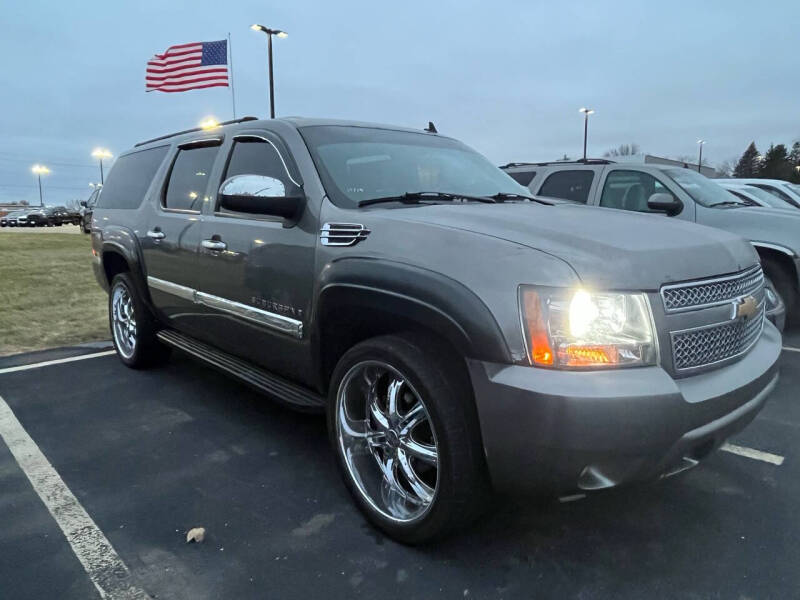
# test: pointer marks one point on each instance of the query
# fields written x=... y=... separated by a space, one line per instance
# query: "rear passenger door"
x=576 y=184
x=171 y=239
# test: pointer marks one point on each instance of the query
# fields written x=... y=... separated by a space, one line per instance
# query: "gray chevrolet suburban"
x=684 y=194
x=460 y=335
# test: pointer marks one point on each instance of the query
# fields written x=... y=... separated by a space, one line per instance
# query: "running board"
x=285 y=391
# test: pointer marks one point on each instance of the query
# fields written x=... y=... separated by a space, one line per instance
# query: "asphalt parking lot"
x=148 y=455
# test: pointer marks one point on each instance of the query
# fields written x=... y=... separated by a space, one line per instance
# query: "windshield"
x=363 y=163
x=767 y=198
x=702 y=190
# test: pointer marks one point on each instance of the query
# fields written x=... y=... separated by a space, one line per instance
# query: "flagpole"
x=230 y=60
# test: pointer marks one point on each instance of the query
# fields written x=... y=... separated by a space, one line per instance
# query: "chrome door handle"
x=156 y=235
x=214 y=244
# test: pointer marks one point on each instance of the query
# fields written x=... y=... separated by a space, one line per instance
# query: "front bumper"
x=563 y=431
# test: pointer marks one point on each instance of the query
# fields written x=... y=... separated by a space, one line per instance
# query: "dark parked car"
x=61 y=216
x=42 y=217
x=87 y=206
x=459 y=335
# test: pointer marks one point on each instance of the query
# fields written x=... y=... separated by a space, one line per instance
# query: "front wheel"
x=403 y=426
x=133 y=328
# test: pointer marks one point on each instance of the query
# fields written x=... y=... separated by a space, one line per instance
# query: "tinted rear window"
x=522 y=177
x=569 y=185
x=130 y=177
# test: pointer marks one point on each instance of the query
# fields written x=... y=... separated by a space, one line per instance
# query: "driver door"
x=255 y=270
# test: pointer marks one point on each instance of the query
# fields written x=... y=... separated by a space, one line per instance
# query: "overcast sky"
x=505 y=77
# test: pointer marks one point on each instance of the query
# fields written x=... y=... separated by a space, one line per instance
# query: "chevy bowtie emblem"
x=746 y=307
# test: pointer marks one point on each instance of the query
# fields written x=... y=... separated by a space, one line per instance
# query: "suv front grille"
x=697 y=294
x=715 y=343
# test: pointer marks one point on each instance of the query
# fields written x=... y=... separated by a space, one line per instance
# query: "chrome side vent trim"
x=342 y=234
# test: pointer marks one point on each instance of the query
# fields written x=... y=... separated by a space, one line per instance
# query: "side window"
x=129 y=179
x=629 y=190
x=522 y=177
x=188 y=178
x=569 y=185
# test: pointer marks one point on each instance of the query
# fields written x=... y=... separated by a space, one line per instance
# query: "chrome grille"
x=715 y=343
x=696 y=294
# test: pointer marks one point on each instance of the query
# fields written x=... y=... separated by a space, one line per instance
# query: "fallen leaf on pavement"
x=196 y=535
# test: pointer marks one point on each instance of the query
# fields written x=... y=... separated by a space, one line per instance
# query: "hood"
x=608 y=249
x=780 y=226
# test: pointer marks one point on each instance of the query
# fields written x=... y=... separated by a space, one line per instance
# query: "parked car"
x=4 y=218
x=20 y=219
x=460 y=336
x=686 y=195
x=41 y=217
x=61 y=216
x=755 y=196
x=87 y=207
x=786 y=191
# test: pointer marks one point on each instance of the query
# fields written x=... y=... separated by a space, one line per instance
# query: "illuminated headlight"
x=580 y=329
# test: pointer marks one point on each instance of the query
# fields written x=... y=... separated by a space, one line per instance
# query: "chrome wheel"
x=123 y=321
x=387 y=441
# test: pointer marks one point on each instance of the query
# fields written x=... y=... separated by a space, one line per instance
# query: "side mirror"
x=260 y=195
x=664 y=202
x=83 y=203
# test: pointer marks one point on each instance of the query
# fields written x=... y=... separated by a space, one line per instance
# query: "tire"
x=133 y=327
x=421 y=498
x=784 y=286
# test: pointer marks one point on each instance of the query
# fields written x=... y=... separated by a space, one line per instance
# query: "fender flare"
x=777 y=247
x=427 y=298
x=125 y=243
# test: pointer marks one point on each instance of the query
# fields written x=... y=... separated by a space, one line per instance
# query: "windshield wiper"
x=418 y=197
x=503 y=196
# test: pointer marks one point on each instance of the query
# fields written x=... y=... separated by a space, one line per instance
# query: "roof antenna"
x=431 y=128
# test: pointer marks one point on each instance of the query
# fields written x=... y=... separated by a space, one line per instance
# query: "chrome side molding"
x=271 y=320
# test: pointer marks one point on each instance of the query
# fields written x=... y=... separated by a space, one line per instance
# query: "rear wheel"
x=133 y=328
x=404 y=429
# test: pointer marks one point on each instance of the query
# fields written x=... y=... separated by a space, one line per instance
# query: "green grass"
x=48 y=294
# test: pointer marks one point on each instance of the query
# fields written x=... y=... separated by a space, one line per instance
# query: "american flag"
x=189 y=67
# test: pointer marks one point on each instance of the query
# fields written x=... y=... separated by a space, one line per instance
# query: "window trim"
x=190 y=145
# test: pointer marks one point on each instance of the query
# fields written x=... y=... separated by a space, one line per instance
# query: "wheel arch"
x=363 y=298
x=781 y=256
x=121 y=254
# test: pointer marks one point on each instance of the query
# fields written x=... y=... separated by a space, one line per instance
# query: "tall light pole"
x=270 y=33
x=101 y=153
x=586 y=112
x=700 y=143
x=40 y=170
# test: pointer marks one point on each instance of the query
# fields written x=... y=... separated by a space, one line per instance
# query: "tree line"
x=776 y=163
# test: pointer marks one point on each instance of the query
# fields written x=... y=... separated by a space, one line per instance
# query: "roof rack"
x=169 y=135
x=580 y=161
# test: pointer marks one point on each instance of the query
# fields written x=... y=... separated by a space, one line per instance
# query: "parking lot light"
x=101 y=153
x=270 y=33
x=40 y=170
x=586 y=112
